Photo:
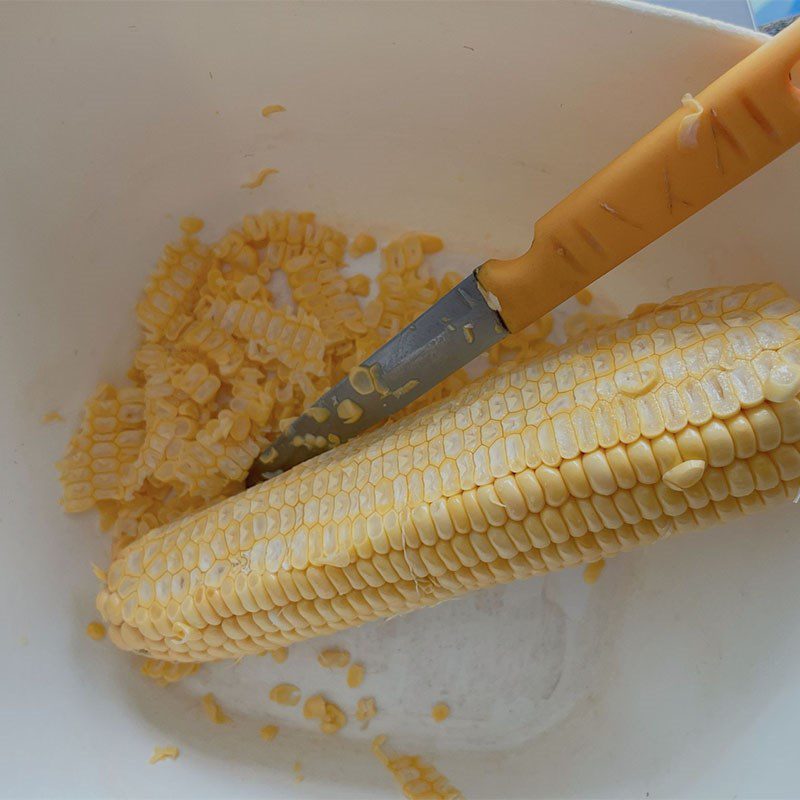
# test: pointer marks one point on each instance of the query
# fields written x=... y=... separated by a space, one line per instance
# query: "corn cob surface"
x=675 y=419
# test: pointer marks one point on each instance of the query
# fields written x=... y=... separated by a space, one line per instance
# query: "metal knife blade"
x=453 y=331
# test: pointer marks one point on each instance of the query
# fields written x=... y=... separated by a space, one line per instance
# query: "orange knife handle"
x=740 y=123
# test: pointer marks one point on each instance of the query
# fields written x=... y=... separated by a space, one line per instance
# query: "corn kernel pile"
x=223 y=365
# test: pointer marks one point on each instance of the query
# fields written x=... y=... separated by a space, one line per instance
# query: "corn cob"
x=676 y=418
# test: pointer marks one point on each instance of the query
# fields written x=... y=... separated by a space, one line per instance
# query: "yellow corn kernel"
x=268 y=732
x=50 y=417
x=440 y=712
x=430 y=243
x=349 y=411
x=191 y=224
x=333 y=658
x=259 y=178
x=271 y=109
x=163 y=753
x=287 y=694
x=584 y=297
x=96 y=631
x=363 y=243
x=331 y=718
x=366 y=709
x=213 y=710
x=358 y=285
x=355 y=675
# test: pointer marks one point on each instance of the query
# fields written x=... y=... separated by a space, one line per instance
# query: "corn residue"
x=51 y=417
x=271 y=109
x=259 y=178
x=334 y=658
x=222 y=364
x=213 y=710
x=163 y=753
x=440 y=712
x=366 y=709
x=355 y=675
x=96 y=631
x=363 y=243
x=269 y=732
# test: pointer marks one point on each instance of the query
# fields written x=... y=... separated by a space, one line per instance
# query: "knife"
x=741 y=122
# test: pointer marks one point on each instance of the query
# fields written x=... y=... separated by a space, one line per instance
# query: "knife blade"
x=451 y=333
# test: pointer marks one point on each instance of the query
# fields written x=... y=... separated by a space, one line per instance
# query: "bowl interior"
x=673 y=675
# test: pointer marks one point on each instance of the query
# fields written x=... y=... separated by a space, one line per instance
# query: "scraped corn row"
x=418 y=779
x=676 y=419
x=223 y=366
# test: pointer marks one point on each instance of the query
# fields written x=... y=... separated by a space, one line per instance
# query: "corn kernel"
x=333 y=658
x=163 y=753
x=96 y=631
x=355 y=676
x=213 y=710
x=287 y=694
x=268 y=732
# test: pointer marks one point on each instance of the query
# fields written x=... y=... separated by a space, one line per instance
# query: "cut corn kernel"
x=268 y=732
x=271 y=109
x=331 y=718
x=163 y=753
x=213 y=710
x=287 y=694
x=96 y=631
x=584 y=297
x=592 y=571
x=333 y=658
x=366 y=709
x=430 y=244
x=358 y=285
x=418 y=779
x=349 y=411
x=259 y=178
x=355 y=675
x=50 y=417
x=440 y=712
x=191 y=224
x=363 y=243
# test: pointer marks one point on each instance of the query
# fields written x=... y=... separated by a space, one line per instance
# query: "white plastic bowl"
x=675 y=675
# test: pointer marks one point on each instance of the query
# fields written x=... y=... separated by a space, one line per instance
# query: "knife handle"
x=740 y=123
